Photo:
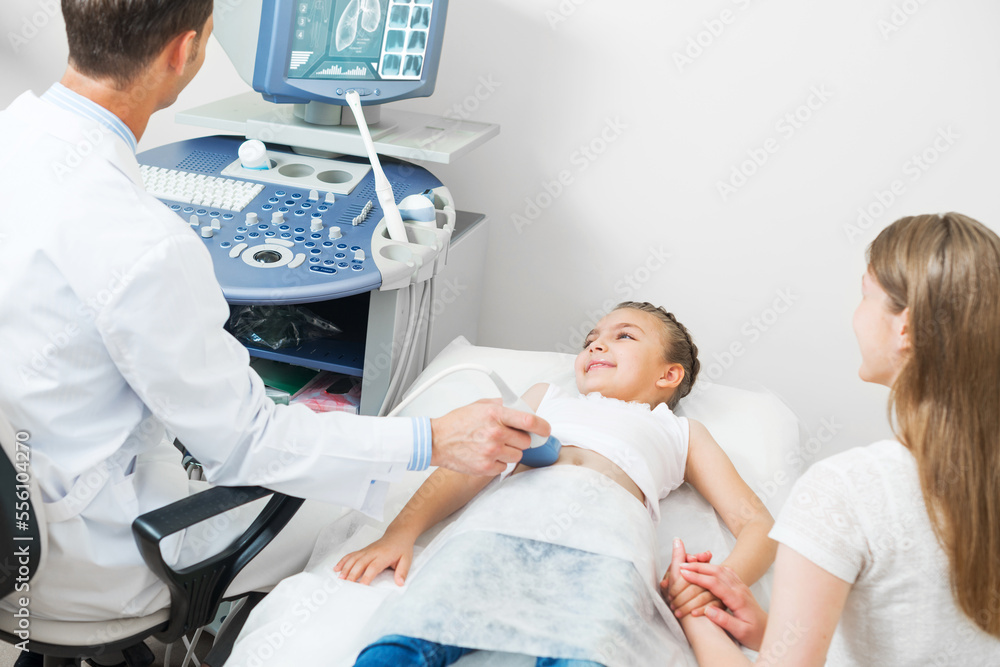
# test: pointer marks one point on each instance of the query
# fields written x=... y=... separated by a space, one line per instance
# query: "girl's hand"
x=745 y=620
x=703 y=557
x=684 y=597
x=391 y=550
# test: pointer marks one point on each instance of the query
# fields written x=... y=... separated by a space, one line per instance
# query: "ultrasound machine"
x=294 y=202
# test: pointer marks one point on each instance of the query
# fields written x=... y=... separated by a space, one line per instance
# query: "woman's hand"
x=393 y=550
x=744 y=620
x=684 y=597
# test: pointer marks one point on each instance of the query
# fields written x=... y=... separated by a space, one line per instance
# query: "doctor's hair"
x=117 y=39
x=679 y=347
x=944 y=270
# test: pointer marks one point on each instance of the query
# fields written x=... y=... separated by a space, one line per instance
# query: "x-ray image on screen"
x=418 y=42
x=395 y=41
x=360 y=39
x=399 y=17
x=413 y=65
x=421 y=18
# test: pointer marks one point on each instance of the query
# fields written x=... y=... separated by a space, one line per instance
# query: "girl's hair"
x=946 y=270
x=680 y=349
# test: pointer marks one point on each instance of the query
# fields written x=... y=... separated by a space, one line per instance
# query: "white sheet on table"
x=316 y=616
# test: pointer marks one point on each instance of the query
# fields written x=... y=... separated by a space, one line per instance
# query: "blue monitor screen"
x=362 y=40
x=314 y=50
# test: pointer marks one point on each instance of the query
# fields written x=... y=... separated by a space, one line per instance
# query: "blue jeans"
x=400 y=651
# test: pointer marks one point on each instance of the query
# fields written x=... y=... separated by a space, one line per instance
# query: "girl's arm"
x=713 y=475
x=441 y=495
x=710 y=644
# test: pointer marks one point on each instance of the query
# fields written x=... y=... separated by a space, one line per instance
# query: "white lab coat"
x=111 y=336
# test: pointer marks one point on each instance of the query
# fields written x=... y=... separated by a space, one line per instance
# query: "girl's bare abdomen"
x=575 y=456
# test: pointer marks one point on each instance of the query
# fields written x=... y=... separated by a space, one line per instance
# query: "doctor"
x=111 y=322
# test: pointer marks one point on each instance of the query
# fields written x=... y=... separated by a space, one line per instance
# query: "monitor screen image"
x=360 y=40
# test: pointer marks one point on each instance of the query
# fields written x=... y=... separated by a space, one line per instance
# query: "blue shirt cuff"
x=421 y=457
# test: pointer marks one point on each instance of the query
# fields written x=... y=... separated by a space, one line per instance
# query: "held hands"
x=393 y=550
x=483 y=437
x=744 y=620
x=683 y=596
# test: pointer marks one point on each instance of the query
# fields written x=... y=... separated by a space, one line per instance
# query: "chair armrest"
x=195 y=591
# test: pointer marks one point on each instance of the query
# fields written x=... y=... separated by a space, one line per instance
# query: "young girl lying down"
x=559 y=562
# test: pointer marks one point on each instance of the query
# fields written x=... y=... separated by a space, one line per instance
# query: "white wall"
x=887 y=79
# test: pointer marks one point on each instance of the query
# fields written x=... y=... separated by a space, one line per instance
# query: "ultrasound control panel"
x=307 y=229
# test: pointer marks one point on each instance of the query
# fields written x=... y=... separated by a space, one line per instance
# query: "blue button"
x=296 y=195
x=329 y=262
x=279 y=193
x=214 y=214
x=241 y=230
x=286 y=235
x=323 y=207
x=201 y=211
x=253 y=235
x=357 y=267
x=342 y=265
x=317 y=236
x=316 y=260
x=306 y=204
x=300 y=230
x=284 y=228
x=267 y=207
x=262 y=227
x=300 y=213
x=290 y=202
x=315 y=251
x=300 y=239
x=327 y=244
x=283 y=209
x=269 y=234
x=238 y=237
x=355 y=248
x=225 y=244
x=317 y=215
x=273 y=200
x=227 y=216
x=188 y=209
x=342 y=246
x=340 y=255
x=310 y=244
x=175 y=207
x=322 y=269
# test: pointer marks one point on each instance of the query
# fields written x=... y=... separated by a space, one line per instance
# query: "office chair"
x=195 y=591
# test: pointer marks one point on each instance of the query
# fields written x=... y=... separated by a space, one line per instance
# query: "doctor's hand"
x=683 y=596
x=394 y=549
x=482 y=438
x=745 y=620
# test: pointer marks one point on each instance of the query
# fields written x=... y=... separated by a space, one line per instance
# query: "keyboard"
x=199 y=189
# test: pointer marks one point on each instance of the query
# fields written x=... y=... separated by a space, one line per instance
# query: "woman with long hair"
x=890 y=554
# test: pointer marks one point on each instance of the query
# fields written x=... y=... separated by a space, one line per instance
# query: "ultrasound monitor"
x=302 y=57
x=317 y=50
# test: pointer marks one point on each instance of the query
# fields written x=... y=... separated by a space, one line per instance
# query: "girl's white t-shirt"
x=651 y=446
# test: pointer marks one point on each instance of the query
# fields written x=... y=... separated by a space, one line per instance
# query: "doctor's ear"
x=182 y=50
x=672 y=376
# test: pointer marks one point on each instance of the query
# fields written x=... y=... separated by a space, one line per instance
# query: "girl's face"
x=881 y=334
x=623 y=358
